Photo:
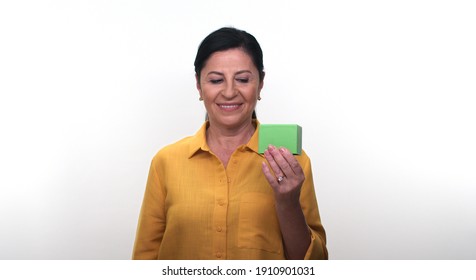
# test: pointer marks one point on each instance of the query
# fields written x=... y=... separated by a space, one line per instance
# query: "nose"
x=230 y=90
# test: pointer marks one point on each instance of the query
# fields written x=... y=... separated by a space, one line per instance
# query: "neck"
x=229 y=138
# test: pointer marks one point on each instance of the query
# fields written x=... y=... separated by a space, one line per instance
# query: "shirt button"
x=221 y=203
x=218 y=254
x=219 y=229
x=229 y=180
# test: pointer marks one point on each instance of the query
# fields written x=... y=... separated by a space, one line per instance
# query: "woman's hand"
x=286 y=177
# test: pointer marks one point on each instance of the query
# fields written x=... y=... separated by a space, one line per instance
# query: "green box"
x=280 y=135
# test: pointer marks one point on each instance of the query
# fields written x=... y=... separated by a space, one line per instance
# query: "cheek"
x=209 y=89
x=254 y=91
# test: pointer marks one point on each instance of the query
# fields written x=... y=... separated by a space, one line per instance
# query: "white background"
x=384 y=91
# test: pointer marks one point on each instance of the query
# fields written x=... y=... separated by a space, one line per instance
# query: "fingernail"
x=270 y=147
x=282 y=149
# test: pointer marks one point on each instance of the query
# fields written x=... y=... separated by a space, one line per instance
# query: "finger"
x=292 y=161
x=273 y=164
x=269 y=176
x=281 y=161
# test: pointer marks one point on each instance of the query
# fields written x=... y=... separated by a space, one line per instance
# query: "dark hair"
x=229 y=38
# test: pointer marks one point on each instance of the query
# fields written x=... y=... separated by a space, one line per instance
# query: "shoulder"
x=305 y=163
x=185 y=147
x=176 y=150
x=303 y=158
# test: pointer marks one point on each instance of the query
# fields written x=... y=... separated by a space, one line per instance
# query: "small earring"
x=259 y=97
x=200 y=98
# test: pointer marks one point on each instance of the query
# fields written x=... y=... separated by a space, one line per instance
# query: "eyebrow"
x=221 y=74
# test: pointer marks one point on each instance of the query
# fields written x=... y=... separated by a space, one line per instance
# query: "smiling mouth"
x=229 y=107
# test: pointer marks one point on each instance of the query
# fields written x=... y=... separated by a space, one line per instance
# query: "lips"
x=229 y=107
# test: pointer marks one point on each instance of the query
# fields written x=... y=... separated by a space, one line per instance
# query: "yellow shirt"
x=194 y=208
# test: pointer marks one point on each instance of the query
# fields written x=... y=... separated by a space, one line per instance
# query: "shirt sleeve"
x=317 y=249
x=151 y=225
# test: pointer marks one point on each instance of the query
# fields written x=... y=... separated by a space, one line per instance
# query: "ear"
x=199 y=88
x=261 y=83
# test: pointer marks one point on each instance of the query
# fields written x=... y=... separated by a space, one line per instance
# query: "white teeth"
x=228 y=106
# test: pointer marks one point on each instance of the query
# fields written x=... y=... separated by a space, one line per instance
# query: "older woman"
x=212 y=195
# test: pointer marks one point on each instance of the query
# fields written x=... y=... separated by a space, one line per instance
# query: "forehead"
x=229 y=58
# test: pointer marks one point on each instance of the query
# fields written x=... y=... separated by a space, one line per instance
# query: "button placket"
x=220 y=215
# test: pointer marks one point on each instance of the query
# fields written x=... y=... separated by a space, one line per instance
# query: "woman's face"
x=230 y=86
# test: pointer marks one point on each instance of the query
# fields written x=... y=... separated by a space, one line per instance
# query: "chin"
x=231 y=121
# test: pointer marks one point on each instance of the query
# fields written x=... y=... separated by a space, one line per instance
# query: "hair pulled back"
x=229 y=38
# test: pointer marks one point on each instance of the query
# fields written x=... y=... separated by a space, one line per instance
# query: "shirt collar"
x=199 y=140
